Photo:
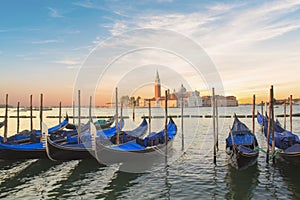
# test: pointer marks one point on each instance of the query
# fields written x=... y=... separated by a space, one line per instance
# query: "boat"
x=241 y=146
x=286 y=142
x=85 y=149
x=32 y=149
x=100 y=124
x=140 y=151
x=2 y=124
x=26 y=136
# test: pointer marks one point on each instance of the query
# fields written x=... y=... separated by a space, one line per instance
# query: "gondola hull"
x=293 y=158
x=107 y=155
x=68 y=152
x=14 y=154
x=241 y=160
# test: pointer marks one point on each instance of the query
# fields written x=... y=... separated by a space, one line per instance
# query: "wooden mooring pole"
x=253 y=115
x=41 y=117
x=79 y=122
x=18 y=117
x=117 y=118
x=291 y=113
x=59 y=114
x=284 y=115
x=272 y=127
x=214 y=125
x=166 y=127
x=182 y=134
x=31 y=115
x=133 y=110
x=5 y=119
x=73 y=112
x=269 y=129
x=149 y=107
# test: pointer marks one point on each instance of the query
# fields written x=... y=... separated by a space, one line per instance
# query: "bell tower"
x=157 y=86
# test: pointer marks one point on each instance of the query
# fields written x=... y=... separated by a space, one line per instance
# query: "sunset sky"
x=44 y=44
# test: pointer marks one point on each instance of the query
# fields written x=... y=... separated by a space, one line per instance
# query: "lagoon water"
x=189 y=175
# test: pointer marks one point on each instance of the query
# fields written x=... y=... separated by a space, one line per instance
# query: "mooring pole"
x=273 y=121
x=166 y=126
x=217 y=122
x=79 y=123
x=284 y=115
x=253 y=115
x=269 y=126
x=149 y=107
x=133 y=110
x=41 y=118
x=31 y=116
x=59 y=113
x=182 y=136
x=5 y=119
x=117 y=117
x=214 y=125
x=291 y=113
x=73 y=112
x=18 y=117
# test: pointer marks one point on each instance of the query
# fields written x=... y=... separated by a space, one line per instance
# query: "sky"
x=50 y=47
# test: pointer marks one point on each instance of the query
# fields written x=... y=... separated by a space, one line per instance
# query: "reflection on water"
x=241 y=183
x=120 y=182
x=291 y=177
x=74 y=183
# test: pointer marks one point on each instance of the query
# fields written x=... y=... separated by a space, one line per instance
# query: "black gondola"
x=241 y=145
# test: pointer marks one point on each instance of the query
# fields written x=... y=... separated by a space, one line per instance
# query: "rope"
x=261 y=150
x=273 y=155
x=276 y=152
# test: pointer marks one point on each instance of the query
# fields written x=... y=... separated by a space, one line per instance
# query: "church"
x=175 y=99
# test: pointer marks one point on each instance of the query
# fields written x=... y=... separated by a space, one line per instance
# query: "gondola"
x=84 y=150
x=241 y=145
x=286 y=142
x=138 y=151
x=100 y=124
x=27 y=136
x=32 y=149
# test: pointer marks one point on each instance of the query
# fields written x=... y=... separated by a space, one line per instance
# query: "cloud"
x=90 y=5
x=222 y=26
x=47 y=41
x=72 y=67
x=164 y=1
x=54 y=13
x=225 y=30
x=71 y=64
x=68 y=62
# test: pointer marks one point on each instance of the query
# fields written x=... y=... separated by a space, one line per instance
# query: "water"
x=189 y=176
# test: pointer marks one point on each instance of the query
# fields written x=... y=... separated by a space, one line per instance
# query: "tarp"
x=283 y=138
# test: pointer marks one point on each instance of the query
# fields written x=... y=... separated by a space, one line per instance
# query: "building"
x=222 y=101
x=175 y=99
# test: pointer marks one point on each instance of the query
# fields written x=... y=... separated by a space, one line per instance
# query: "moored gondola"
x=241 y=145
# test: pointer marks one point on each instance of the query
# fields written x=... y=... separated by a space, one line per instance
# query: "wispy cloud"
x=162 y=1
x=225 y=30
x=90 y=5
x=54 y=13
x=47 y=41
x=238 y=24
x=68 y=62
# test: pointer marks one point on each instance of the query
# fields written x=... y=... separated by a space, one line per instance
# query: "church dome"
x=182 y=89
